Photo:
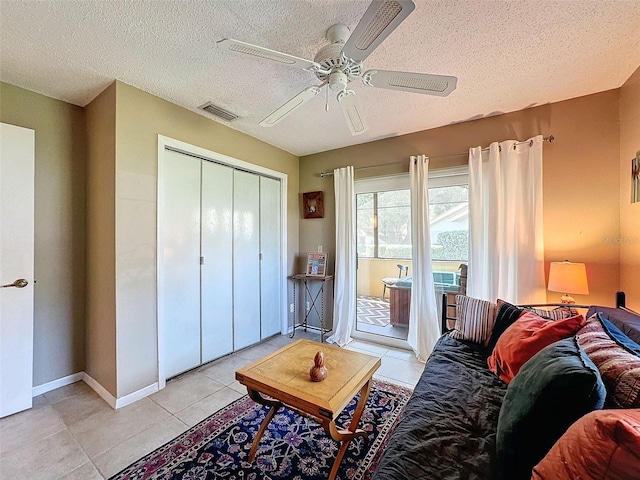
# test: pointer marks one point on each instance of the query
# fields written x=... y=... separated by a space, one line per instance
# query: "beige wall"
x=101 y=224
x=581 y=178
x=140 y=117
x=59 y=228
x=629 y=213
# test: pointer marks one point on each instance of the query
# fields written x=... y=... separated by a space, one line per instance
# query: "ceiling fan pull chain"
x=326 y=106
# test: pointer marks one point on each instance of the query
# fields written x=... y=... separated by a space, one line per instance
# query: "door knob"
x=19 y=283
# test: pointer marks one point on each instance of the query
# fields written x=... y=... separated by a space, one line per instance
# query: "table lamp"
x=567 y=277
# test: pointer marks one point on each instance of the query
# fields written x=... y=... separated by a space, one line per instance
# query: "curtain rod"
x=548 y=139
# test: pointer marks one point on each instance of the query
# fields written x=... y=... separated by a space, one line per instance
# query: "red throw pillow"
x=526 y=337
x=602 y=444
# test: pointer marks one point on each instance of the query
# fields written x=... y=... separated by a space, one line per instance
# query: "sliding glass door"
x=384 y=276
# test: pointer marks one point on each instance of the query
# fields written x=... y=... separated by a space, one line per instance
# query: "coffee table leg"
x=345 y=436
x=256 y=397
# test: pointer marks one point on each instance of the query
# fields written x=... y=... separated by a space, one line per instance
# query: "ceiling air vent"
x=218 y=112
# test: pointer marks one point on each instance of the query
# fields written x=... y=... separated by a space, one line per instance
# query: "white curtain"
x=344 y=302
x=506 y=258
x=424 y=325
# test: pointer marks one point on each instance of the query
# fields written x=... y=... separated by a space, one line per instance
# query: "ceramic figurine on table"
x=318 y=372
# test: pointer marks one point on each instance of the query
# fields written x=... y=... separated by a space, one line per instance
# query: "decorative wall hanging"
x=312 y=205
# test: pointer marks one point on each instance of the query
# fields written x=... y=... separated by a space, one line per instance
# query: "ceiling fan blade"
x=247 y=50
x=352 y=112
x=440 y=85
x=297 y=101
x=381 y=18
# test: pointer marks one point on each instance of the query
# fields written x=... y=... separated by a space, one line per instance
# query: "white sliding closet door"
x=179 y=204
x=220 y=272
x=217 y=268
x=246 y=259
x=270 y=287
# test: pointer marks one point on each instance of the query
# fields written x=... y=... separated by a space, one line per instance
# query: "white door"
x=17 y=154
x=270 y=286
x=246 y=259
x=179 y=205
x=217 y=267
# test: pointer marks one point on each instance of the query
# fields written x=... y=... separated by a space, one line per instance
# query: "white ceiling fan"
x=340 y=62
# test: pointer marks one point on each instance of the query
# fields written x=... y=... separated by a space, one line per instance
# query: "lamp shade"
x=568 y=277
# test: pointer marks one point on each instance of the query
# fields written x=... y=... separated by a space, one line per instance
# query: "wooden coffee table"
x=284 y=376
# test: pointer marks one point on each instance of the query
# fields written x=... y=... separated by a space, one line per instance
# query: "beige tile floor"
x=72 y=434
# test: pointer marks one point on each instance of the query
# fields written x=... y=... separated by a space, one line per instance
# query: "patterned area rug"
x=293 y=447
x=373 y=311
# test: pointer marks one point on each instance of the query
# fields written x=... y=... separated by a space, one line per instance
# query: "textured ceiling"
x=507 y=55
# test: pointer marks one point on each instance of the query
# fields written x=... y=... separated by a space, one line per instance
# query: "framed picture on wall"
x=316 y=264
x=313 y=205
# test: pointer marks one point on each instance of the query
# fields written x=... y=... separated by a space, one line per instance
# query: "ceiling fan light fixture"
x=338 y=81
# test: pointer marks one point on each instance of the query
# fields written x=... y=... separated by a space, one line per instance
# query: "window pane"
x=395 y=198
x=394 y=231
x=364 y=217
x=454 y=193
x=364 y=200
x=449 y=231
x=448 y=216
x=449 y=221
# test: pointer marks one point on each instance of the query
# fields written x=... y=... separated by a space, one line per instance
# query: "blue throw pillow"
x=618 y=336
x=552 y=390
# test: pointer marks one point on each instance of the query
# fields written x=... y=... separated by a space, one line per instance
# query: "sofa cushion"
x=552 y=390
x=526 y=337
x=474 y=319
x=604 y=444
x=506 y=316
x=619 y=365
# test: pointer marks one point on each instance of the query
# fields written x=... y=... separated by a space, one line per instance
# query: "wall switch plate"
x=308 y=306
x=291 y=307
x=319 y=248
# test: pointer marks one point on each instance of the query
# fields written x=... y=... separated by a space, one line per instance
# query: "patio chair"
x=391 y=281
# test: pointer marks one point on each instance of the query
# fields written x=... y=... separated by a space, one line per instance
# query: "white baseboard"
x=117 y=403
x=61 y=382
x=99 y=389
x=137 y=395
x=114 y=402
